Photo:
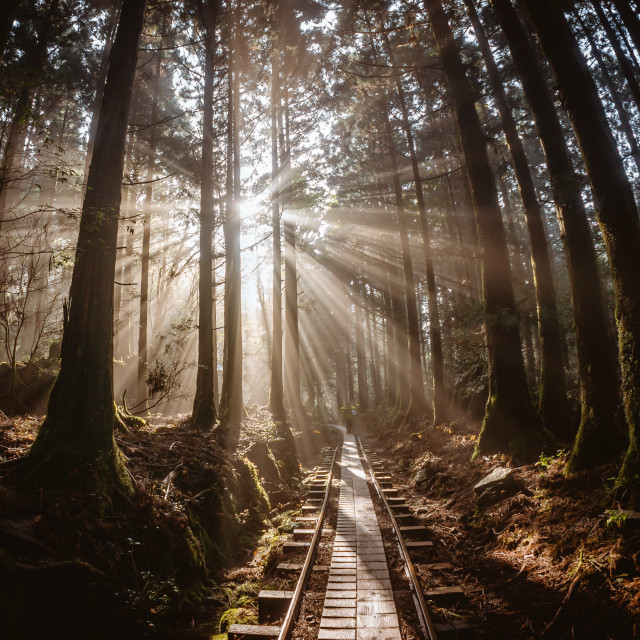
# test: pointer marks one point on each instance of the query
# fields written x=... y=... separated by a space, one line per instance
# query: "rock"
x=498 y=477
x=497 y=486
x=421 y=476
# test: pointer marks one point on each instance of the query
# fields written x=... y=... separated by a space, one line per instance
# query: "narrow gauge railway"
x=350 y=565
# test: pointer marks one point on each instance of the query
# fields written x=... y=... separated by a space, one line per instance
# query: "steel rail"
x=421 y=606
x=296 y=601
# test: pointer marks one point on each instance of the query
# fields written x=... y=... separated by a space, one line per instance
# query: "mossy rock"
x=237 y=615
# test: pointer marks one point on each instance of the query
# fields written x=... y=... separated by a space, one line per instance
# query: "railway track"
x=353 y=555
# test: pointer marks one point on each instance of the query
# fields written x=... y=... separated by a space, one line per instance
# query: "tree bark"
x=615 y=205
x=75 y=443
x=511 y=423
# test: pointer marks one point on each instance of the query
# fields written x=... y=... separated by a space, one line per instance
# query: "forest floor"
x=182 y=559
x=542 y=556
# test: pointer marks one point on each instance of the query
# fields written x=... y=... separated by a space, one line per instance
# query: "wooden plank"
x=293 y=547
x=414 y=531
x=272 y=604
x=253 y=631
x=418 y=544
x=444 y=594
x=293 y=567
x=454 y=629
x=301 y=534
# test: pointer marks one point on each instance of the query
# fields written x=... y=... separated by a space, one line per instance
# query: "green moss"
x=238 y=615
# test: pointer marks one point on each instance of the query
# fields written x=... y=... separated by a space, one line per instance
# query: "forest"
x=237 y=235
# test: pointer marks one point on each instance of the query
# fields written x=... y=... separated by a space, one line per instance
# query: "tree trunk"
x=204 y=409
x=291 y=346
x=553 y=400
x=615 y=205
x=391 y=350
x=599 y=432
x=435 y=333
x=511 y=423
x=232 y=378
x=100 y=83
x=77 y=434
x=143 y=329
x=361 y=355
x=415 y=401
x=276 y=396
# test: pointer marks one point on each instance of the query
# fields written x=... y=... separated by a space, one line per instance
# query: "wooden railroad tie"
x=253 y=631
x=272 y=604
x=293 y=547
x=414 y=531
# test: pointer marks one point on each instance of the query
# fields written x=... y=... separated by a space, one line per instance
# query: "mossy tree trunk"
x=615 y=205
x=599 y=434
x=511 y=423
x=75 y=442
x=204 y=408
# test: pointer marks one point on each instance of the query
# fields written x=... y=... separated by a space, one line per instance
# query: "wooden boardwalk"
x=359 y=603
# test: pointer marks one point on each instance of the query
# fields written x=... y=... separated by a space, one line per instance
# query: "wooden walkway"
x=359 y=601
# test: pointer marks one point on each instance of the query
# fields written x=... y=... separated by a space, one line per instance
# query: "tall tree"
x=231 y=396
x=510 y=422
x=412 y=388
x=276 y=396
x=143 y=337
x=435 y=333
x=77 y=434
x=615 y=205
x=553 y=400
x=599 y=432
x=204 y=408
